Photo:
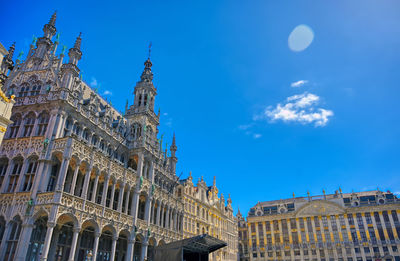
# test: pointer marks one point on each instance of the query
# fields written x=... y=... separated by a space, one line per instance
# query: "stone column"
x=105 y=190
x=167 y=218
x=112 y=196
x=147 y=209
x=120 y=197
x=86 y=183
x=158 y=214
x=113 y=247
x=162 y=217
x=129 y=250
x=96 y=182
x=128 y=193
x=74 y=243
x=175 y=224
x=73 y=184
x=145 y=244
x=96 y=245
x=47 y=241
x=62 y=174
x=23 y=244
x=135 y=205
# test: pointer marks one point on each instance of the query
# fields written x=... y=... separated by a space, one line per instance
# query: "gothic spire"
x=53 y=19
x=75 y=53
x=11 y=51
x=49 y=29
x=173 y=147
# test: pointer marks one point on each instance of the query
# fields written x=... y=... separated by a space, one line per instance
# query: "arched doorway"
x=122 y=245
x=137 y=250
x=150 y=249
x=37 y=239
x=105 y=246
x=64 y=242
x=86 y=242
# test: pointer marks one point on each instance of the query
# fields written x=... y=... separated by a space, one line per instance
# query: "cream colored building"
x=207 y=213
x=341 y=226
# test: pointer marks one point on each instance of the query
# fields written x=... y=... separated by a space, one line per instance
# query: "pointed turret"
x=147 y=74
x=75 y=53
x=49 y=29
x=173 y=158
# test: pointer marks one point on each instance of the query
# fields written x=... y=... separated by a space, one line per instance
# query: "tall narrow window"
x=29 y=175
x=14 y=175
x=12 y=240
x=29 y=122
x=3 y=170
x=42 y=124
x=53 y=176
x=14 y=128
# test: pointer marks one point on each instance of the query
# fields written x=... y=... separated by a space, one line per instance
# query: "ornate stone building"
x=6 y=103
x=243 y=251
x=207 y=213
x=78 y=179
x=341 y=226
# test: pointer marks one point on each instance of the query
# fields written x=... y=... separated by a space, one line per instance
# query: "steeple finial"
x=53 y=19
x=149 y=50
x=11 y=51
x=78 y=41
x=49 y=29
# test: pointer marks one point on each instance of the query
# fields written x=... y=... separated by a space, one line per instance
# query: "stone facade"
x=207 y=213
x=78 y=179
x=6 y=103
x=341 y=226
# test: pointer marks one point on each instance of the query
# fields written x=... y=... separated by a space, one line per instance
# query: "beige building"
x=6 y=103
x=341 y=226
x=208 y=213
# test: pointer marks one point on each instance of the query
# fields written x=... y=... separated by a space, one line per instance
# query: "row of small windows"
x=9 y=183
x=94 y=140
x=28 y=126
x=311 y=223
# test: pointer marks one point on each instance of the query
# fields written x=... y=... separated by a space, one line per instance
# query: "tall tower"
x=44 y=43
x=142 y=119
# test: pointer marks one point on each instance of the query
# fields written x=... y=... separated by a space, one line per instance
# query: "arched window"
x=86 y=135
x=29 y=175
x=53 y=175
x=3 y=170
x=37 y=239
x=36 y=89
x=140 y=99
x=24 y=91
x=29 y=122
x=15 y=126
x=12 y=239
x=94 y=140
x=14 y=175
x=42 y=125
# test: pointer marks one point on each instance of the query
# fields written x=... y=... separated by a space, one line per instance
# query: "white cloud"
x=165 y=114
x=245 y=126
x=107 y=92
x=93 y=82
x=298 y=83
x=298 y=108
x=257 y=135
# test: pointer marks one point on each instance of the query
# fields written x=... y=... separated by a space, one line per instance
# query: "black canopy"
x=195 y=248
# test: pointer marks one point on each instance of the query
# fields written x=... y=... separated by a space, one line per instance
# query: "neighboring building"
x=207 y=213
x=243 y=251
x=6 y=103
x=345 y=227
x=78 y=178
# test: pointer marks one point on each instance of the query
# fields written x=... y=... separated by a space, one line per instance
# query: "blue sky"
x=224 y=73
